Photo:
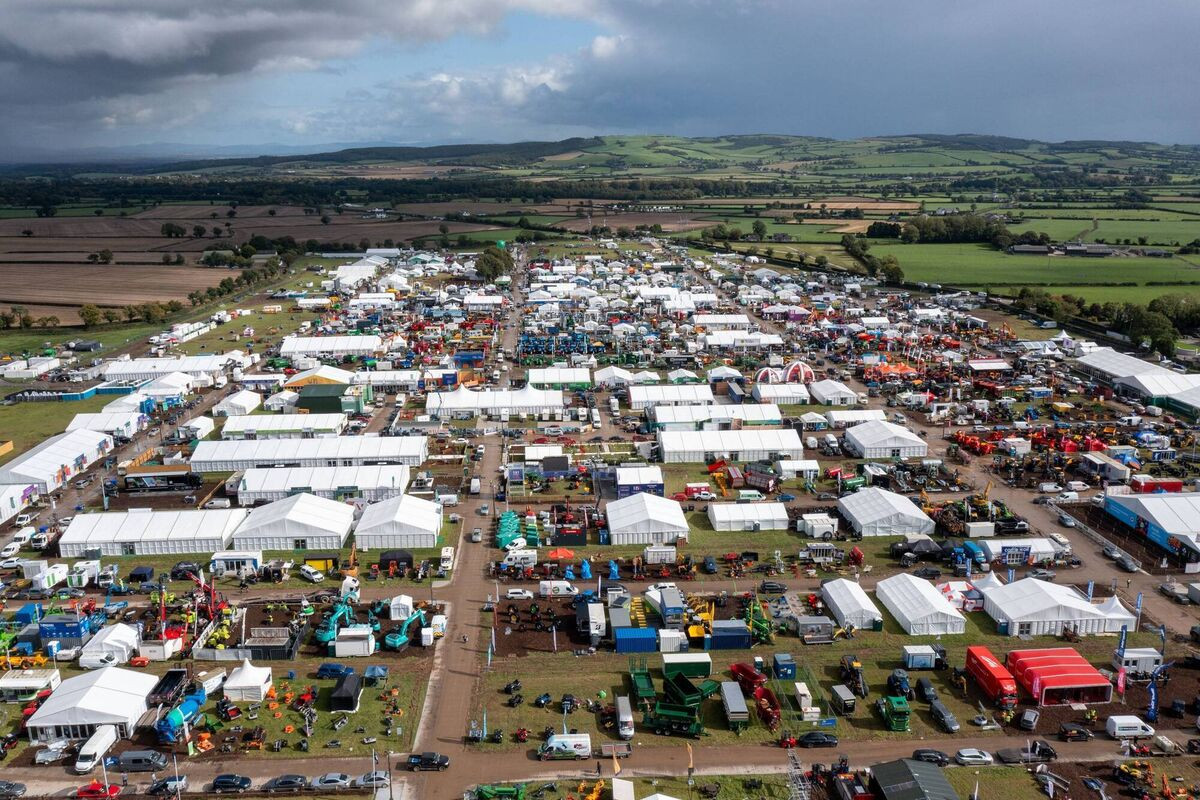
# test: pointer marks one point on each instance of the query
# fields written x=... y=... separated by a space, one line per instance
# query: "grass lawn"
x=27 y=424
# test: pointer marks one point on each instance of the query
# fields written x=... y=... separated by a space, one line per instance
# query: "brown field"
x=845 y=226
x=567 y=156
x=670 y=221
x=482 y=208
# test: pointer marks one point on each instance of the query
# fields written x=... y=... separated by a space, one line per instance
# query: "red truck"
x=990 y=674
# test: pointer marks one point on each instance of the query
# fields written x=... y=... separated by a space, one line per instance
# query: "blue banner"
x=1152 y=709
x=1012 y=574
x=1139 y=605
x=1121 y=643
x=1162 y=636
x=1091 y=589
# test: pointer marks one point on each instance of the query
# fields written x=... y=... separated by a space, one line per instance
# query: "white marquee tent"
x=248 y=683
x=872 y=511
x=748 y=516
x=231 y=456
x=53 y=462
x=884 y=440
x=739 y=445
x=919 y=608
x=404 y=521
x=121 y=533
x=293 y=346
x=108 y=696
x=521 y=401
x=1037 y=608
x=849 y=603
x=371 y=483
x=238 y=404
x=300 y=522
x=646 y=519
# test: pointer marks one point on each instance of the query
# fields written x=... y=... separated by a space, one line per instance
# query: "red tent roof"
x=1053 y=668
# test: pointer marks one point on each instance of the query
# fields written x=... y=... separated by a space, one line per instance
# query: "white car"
x=518 y=594
x=10 y=549
x=516 y=544
x=11 y=563
x=973 y=757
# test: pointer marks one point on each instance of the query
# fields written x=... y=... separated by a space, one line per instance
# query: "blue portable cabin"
x=783 y=665
x=635 y=640
x=728 y=634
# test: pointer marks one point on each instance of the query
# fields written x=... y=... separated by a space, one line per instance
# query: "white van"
x=23 y=519
x=624 y=718
x=24 y=536
x=95 y=748
x=811 y=442
x=1068 y=495
x=556 y=589
x=311 y=574
x=218 y=502
x=566 y=745
x=520 y=558
x=1127 y=726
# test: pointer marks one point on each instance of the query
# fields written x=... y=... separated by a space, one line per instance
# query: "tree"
x=325 y=220
x=493 y=262
x=760 y=228
x=51 y=321
x=131 y=313
x=27 y=232
x=172 y=230
x=910 y=234
x=99 y=212
x=111 y=315
x=822 y=260
x=105 y=256
x=90 y=314
x=270 y=212
x=198 y=231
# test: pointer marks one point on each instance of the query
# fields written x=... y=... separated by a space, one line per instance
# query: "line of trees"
x=18 y=318
x=1142 y=324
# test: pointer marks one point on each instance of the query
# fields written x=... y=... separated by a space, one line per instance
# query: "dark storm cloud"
x=1060 y=69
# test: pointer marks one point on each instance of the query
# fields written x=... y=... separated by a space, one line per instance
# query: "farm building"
x=636 y=480
x=238 y=404
x=116 y=423
x=323 y=375
x=645 y=519
x=136 y=533
x=299 y=522
x=403 y=521
x=369 y=483
x=110 y=696
x=49 y=465
x=849 y=603
x=714 y=417
x=748 y=516
x=560 y=378
x=918 y=606
x=832 y=393
x=884 y=440
x=283 y=426
x=872 y=511
x=849 y=417
x=466 y=403
x=1171 y=521
x=1030 y=607
x=349 y=451
x=1058 y=676
x=787 y=394
x=669 y=394
x=357 y=346
x=699 y=447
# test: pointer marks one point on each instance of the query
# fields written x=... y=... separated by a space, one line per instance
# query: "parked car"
x=330 y=670
x=427 y=761
x=973 y=757
x=181 y=570
x=373 y=780
x=1038 y=753
x=1127 y=564
x=818 y=739
x=10 y=549
x=931 y=756
x=1029 y=719
x=477 y=535
x=230 y=782
x=1074 y=732
x=518 y=594
x=168 y=786
x=10 y=789
x=1112 y=552
x=98 y=791
x=286 y=783
x=772 y=587
x=331 y=781
x=1040 y=574
x=928 y=573
x=1066 y=520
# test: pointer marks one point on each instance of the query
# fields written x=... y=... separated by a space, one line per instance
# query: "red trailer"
x=991 y=677
x=1148 y=484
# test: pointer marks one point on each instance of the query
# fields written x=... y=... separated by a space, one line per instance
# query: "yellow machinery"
x=722 y=484
x=701 y=614
x=350 y=568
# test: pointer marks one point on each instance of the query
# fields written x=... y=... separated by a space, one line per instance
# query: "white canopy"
x=748 y=516
x=248 y=683
x=1039 y=608
x=300 y=522
x=877 y=512
x=849 y=604
x=107 y=696
x=404 y=521
x=878 y=439
x=645 y=519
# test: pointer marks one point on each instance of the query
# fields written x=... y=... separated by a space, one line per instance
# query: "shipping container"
x=692 y=665
x=635 y=640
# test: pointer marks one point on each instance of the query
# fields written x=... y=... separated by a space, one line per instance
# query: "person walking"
x=597 y=768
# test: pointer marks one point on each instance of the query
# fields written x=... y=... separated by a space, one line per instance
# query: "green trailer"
x=670 y=719
x=643 y=685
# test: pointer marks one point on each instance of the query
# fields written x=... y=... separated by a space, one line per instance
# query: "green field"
x=27 y=424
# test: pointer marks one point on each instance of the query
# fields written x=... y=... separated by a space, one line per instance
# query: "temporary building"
x=714 y=417
x=1021 y=550
x=198 y=427
x=613 y=376
x=248 y=683
x=202 y=366
x=125 y=533
x=369 y=483
x=670 y=394
x=918 y=606
x=119 y=640
x=521 y=401
x=849 y=417
x=366 y=345
x=323 y=374
x=560 y=378
x=1171 y=521
x=283 y=426
x=238 y=404
x=349 y=451
x=1058 y=676
x=788 y=394
x=884 y=440
x=300 y=522
x=632 y=480
x=646 y=519
x=1030 y=607
x=52 y=463
x=748 y=516
x=14 y=498
x=107 y=696
x=700 y=447
x=404 y=521
x=832 y=393
x=872 y=511
x=849 y=603
x=116 y=423
x=281 y=401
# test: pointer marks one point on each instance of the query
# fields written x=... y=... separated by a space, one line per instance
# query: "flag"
x=689 y=749
x=1091 y=588
x=1121 y=642
x=616 y=764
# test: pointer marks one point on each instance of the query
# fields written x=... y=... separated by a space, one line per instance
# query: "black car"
x=928 y=573
x=230 y=783
x=11 y=789
x=287 y=783
x=817 y=739
x=569 y=703
x=183 y=569
x=931 y=756
x=1074 y=732
x=771 y=587
x=168 y=786
x=427 y=761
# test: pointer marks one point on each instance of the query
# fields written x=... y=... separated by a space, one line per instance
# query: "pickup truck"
x=1039 y=752
x=427 y=761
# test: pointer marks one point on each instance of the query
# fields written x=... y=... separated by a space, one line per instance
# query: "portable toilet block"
x=784 y=666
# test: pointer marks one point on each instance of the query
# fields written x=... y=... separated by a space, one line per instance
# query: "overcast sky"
x=101 y=73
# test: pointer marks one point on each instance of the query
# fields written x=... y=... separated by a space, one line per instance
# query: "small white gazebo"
x=248 y=683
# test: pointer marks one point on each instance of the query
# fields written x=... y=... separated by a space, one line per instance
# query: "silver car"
x=973 y=757
x=374 y=780
x=331 y=780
